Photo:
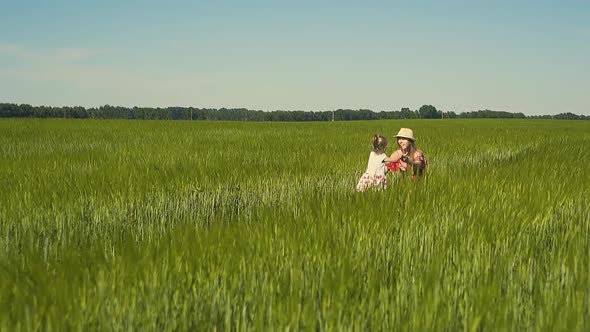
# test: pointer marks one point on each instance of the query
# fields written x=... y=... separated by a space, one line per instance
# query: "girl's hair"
x=379 y=143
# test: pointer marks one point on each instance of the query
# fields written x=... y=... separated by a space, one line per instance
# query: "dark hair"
x=379 y=143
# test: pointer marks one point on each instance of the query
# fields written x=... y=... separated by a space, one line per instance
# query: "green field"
x=178 y=225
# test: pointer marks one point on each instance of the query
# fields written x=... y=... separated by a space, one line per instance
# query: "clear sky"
x=517 y=56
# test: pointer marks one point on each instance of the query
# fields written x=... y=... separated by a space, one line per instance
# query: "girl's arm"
x=395 y=156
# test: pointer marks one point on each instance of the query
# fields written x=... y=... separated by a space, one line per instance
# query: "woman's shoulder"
x=419 y=156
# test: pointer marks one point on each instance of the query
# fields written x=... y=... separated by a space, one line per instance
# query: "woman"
x=408 y=156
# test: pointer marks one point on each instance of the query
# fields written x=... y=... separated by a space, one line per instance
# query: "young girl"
x=374 y=176
x=408 y=157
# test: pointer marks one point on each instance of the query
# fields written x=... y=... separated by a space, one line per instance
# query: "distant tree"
x=567 y=116
x=450 y=115
x=491 y=114
x=8 y=110
x=406 y=113
x=429 y=112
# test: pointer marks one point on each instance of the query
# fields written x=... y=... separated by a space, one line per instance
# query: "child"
x=374 y=176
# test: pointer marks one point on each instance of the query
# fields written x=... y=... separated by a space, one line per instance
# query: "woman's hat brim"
x=406 y=137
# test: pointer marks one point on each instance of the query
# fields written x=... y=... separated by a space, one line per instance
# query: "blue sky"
x=518 y=56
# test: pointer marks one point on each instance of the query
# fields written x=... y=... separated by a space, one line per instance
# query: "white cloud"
x=64 y=67
x=64 y=54
x=73 y=54
x=12 y=49
x=55 y=64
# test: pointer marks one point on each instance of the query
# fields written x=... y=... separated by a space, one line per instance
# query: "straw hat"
x=406 y=133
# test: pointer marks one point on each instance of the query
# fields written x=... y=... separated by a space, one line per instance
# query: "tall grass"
x=140 y=225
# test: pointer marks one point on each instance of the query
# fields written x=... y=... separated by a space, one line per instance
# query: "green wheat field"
x=179 y=225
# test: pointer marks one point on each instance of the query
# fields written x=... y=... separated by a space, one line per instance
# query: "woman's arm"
x=395 y=156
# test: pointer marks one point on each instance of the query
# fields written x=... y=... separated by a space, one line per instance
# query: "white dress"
x=374 y=176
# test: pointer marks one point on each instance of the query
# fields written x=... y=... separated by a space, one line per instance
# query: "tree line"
x=10 y=110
